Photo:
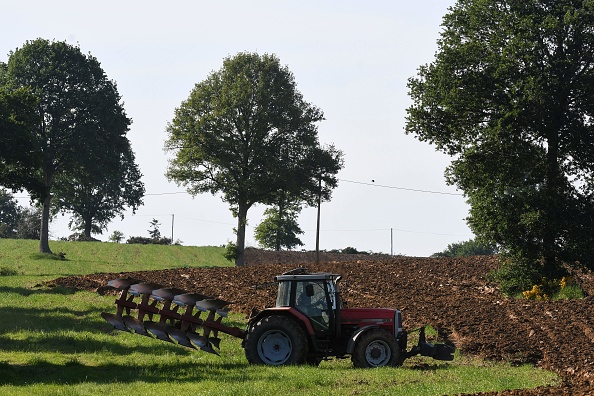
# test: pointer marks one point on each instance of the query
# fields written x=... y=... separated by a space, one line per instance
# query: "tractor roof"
x=302 y=274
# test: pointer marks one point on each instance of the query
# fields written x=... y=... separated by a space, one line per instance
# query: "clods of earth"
x=451 y=294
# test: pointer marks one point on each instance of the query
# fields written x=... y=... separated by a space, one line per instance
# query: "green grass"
x=54 y=342
x=21 y=256
x=570 y=292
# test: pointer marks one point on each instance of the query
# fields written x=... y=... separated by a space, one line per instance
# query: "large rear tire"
x=276 y=340
x=376 y=348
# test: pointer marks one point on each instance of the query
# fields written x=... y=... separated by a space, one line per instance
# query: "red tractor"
x=306 y=326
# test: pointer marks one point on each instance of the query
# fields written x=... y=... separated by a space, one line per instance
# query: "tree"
x=29 y=226
x=238 y=132
x=80 y=121
x=96 y=198
x=323 y=164
x=116 y=236
x=309 y=178
x=510 y=94
x=9 y=214
x=154 y=232
x=280 y=228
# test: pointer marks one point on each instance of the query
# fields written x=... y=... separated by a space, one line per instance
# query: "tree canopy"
x=279 y=228
x=243 y=132
x=510 y=95
x=80 y=123
x=19 y=156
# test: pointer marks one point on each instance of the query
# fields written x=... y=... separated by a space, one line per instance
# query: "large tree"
x=237 y=132
x=96 y=197
x=80 y=121
x=510 y=95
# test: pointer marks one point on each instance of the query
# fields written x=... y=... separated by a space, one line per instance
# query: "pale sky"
x=352 y=59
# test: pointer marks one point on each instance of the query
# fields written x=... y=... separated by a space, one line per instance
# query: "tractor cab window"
x=310 y=298
x=283 y=298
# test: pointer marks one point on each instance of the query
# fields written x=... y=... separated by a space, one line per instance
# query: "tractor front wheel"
x=376 y=348
x=276 y=340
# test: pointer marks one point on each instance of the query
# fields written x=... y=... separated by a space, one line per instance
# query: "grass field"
x=54 y=342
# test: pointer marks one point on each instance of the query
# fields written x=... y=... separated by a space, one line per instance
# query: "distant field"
x=92 y=257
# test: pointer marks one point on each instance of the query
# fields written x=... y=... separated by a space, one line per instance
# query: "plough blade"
x=134 y=324
x=158 y=330
x=197 y=339
x=115 y=320
x=188 y=299
x=143 y=288
x=166 y=294
x=216 y=341
x=211 y=304
x=122 y=284
x=202 y=342
x=181 y=337
x=208 y=348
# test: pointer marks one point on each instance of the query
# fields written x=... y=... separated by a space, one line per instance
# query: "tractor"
x=307 y=325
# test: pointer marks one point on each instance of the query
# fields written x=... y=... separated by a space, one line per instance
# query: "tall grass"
x=53 y=341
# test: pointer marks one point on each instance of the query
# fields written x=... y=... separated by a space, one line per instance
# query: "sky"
x=352 y=59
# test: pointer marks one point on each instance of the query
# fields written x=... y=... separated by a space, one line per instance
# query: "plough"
x=170 y=314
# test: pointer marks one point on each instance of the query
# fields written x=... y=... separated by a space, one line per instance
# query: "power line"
x=169 y=193
x=395 y=229
x=401 y=188
x=343 y=180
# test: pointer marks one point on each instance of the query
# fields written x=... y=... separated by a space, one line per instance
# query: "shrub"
x=472 y=247
x=149 y=241
x=230 y=251
x=555 y=289
x=515 y=276
x=348 y=250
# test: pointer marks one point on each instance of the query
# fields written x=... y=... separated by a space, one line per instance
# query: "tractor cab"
x=315 y=295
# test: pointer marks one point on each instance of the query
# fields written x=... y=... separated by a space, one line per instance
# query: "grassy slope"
x=94 y=257
x=53 y=341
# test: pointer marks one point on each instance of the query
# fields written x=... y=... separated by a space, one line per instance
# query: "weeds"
x=4 y=271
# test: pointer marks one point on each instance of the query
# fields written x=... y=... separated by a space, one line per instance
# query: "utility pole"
x=318 y=222
x=172 y=220
x=391 y=241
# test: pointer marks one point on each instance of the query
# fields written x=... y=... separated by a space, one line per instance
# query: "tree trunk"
x=554 y=192
x=281 y=209
x=88 y=224
x=241 y=223
x=44 y=234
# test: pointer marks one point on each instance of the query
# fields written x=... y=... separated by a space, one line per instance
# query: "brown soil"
x=450 y=294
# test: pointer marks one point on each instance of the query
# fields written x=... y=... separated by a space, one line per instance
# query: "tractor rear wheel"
x=276 y=340
x=376 y=348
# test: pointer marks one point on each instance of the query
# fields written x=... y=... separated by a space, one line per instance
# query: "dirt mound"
x=451 y=294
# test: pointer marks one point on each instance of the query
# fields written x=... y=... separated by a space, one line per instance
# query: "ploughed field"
x=451 y=294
